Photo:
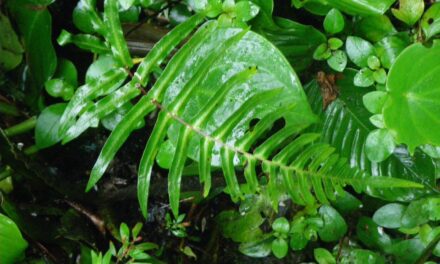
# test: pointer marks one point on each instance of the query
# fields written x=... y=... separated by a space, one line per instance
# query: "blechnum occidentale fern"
x=219 y=82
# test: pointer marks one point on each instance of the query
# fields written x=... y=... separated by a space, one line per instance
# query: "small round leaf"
x=280 y=248
x=379 y=145
x=334 y=21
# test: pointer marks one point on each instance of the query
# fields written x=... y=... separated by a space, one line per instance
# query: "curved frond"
x=211 y=91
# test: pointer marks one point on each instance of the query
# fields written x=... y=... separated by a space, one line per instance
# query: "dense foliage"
x=298 y=131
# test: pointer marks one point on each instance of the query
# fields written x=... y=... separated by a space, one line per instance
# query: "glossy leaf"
x=390 y=47
x=334 y=225
x=372 y=235
x=281 y=225
x=363 y=256
x=345 y=126
x=86 y=17
x=360 y=7
x=374 y=28
x=364 y=78
x=297 y=42
x=280 y=248
x=115 y=35
x=338 y=61
x=374 y=101
x=46 y=131
x=379 y=145
x=407 y=251
x=323 y=256
x=430 y=22
x=11 y=51
x=409 y=11
x=413 y=93
x=334 y=22
x=241 y=228
x=257 y=249
x=35 y=25
x=390 y=215
x=86 y=42
x=59 y=88
x=358 y=50
x=12 y=244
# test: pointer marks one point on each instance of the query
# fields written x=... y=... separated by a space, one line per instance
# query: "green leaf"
x=407 y=251
x=11 y=51
x=388 y=48
x=362 y=7
x=432 y=151
x=281 y=225
x=373 y=62
x=115 y=35
x=322 y=52
x=86 y=18
x=240 y=228
x=135 y=231
x=59 y=88
x=358 y=50
x=380 y=76
x=347 y=203
x=297 y=42
x=86 y=42
x=211 y=8
x=379 y=145
x=345 y=127
x=414 y=93
x=48 y=122
x=35 y=25
x=12 y=244
x=363 y=256
x=179 y=14
x=334 y=225
x=298 y=241
x=377 y=121
x=124 y=233
x=338 y=61
x=103 y=64
x=257 y=249
x=372 y=235
x=374 y=101
x=410 y=11
x=374 y=28
x=390 y=215
x=334 y=22
x=280 y=248
x=66 y=70
x=246 y=10
x=364 y=78
x=430 y=22
x=323 y=256
x=335 y=43
x=419 y=212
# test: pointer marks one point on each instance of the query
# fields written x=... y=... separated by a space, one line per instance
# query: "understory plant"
x=322 y=126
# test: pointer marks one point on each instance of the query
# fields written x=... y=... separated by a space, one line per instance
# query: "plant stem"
x=31 y=150
x=9 y=109
x=21 y=128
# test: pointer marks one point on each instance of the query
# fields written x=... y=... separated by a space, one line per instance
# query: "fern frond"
x=211 y=90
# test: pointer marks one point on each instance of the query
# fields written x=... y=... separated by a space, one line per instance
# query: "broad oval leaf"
x=35 y=24
x=334 y=225
x=390 y=215
x=12 y=244
x=46 y=131
x=414 y=92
